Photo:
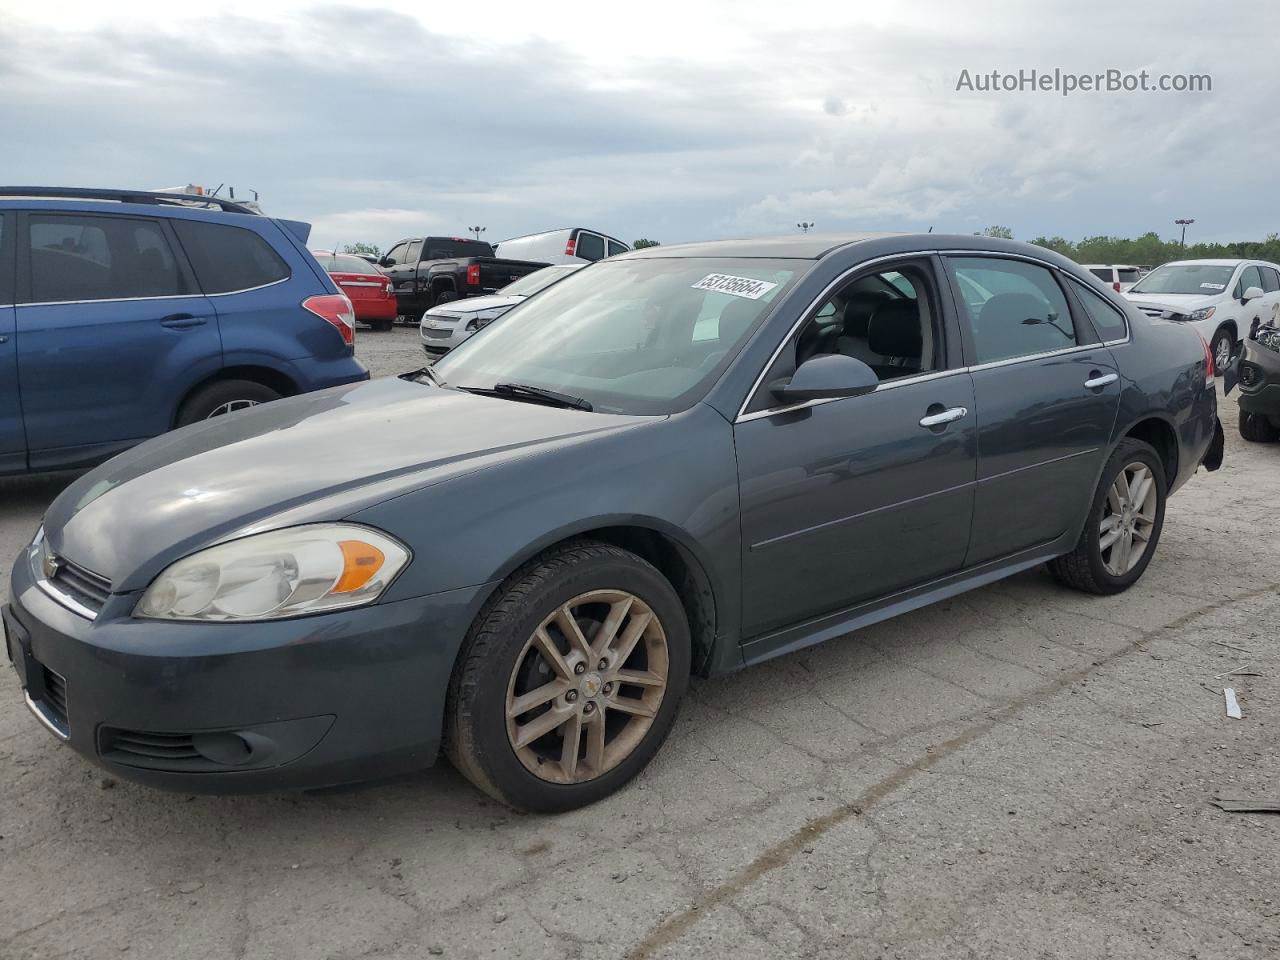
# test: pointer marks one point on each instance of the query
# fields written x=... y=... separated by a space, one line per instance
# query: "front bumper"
x=233 y=708
x=1258 y=377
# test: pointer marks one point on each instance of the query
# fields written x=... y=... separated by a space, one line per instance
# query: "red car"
x=367 y=287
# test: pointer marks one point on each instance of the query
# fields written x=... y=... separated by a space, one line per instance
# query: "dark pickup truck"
x=425 y=271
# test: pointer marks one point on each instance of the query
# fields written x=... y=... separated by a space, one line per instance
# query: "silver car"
x=446 y=326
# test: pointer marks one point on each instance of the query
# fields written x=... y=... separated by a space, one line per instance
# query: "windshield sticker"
x=1213 y=286
x=744 y=287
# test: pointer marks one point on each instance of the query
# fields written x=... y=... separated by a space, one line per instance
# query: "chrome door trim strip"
x=167 y=296
x=887 y=385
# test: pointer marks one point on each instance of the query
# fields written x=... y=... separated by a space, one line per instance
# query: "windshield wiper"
x=522 y=391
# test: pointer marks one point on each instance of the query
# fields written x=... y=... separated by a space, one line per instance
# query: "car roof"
x=1209 y=262
x=803 y=246
x=1117 y=266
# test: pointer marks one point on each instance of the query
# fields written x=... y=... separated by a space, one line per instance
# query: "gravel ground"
x=1021 y=772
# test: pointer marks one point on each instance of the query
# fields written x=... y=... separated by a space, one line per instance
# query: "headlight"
x=36 y=553
x=1204 y=313
x=284 y=573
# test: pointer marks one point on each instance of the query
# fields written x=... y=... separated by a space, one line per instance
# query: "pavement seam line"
x=780 y=853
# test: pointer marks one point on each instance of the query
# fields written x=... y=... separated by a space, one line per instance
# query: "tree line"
x=1149 y=249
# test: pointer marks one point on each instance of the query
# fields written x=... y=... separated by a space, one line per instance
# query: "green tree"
x=361 y=247
x=1003 y=232
x=642 y=243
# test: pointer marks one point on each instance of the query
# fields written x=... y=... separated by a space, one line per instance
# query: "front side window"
x=590 y=246
x=885 y=319
x=227 y=259
x=100 y=258
x=1014 y=309
x=1107 y=319
x=1250 y=278
x=396 y=254
x=629 y=336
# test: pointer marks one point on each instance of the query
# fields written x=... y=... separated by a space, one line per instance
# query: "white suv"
x=1224 y=299
x=1118 y=276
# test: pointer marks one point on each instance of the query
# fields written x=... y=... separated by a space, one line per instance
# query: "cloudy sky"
x=669 y=120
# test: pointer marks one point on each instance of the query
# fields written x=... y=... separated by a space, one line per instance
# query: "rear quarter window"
x=1107 y=319
x=227 y=259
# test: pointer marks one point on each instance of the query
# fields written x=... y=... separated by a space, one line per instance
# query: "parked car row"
x=492 y=557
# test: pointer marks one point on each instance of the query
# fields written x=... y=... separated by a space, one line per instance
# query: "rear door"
x=403 y=275
x=111 y=330
x=1046 y=392
x=13 y=443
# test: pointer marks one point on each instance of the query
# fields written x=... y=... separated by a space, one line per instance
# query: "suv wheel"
x=445 y=296
x=1223 y=346
x=1124 y=523
x=1256 y=428
x=569 y=680
x=223 y=397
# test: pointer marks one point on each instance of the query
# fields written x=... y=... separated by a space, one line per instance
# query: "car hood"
x=319 y=456
x=1182 y=302
x=473 y=305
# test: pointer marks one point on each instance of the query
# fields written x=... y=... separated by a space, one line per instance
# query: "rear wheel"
x=445 y=296
x=569 y=680
x=1256 y=428
x=224 y=397
x=1124 y=524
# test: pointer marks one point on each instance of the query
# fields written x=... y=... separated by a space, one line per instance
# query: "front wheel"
x=445 y=296
x=569 y=680
x=1257 y=429
x=1124 y=523
x=1223 y=346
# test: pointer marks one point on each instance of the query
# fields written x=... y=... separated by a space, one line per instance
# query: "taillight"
x=569 y=247
x=1209 y=371
x=337 y=310
x=1115 y=285
x=473 y=275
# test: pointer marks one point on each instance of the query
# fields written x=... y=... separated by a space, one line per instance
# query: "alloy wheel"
x=587 y=686
x=231 y=406
x=1222 y=355
x=1128 y=518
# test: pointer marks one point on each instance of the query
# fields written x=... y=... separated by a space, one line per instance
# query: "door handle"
x=182 y=321
x=1097 y=380
x=942 y=419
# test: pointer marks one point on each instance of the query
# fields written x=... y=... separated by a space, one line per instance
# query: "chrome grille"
x=82 y=590
x=435 y=334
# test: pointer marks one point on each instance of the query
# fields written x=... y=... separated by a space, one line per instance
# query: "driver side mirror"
x=826 y=377
x=386 y=262
x=1253 y=293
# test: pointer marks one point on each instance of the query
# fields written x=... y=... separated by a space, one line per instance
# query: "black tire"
x=1083 y=568
x=445 y=296
x=476 y=736
x=382 y=326
x=1223 y=339
x=202 y=404
x=1256 y=428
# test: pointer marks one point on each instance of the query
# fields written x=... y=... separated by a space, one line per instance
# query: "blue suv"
x=126 y=314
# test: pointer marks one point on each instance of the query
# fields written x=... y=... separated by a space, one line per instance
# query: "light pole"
x=1183 y=224
x=805 y=226
x=477 y=231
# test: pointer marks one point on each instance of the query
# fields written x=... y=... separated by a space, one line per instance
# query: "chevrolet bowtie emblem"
x=51 y=565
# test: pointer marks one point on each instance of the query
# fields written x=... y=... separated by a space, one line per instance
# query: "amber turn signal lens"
x=360 y=561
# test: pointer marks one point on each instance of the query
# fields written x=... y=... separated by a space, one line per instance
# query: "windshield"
x=1202 y=279
x=538 y=280
x=629 y=336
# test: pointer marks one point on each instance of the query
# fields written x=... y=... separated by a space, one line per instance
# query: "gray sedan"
x=682 y=460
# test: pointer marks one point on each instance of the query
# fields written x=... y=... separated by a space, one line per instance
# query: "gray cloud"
x=372 y=126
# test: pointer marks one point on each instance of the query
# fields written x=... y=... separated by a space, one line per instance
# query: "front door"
x=107 y=313
x=1047 y=394
x=844 y=501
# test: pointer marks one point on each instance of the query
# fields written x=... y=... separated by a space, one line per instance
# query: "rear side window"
x=1270 y=279
x=1107 y=319
x=100 y=258
x=414 y=253
x=1102 y=273
x=1015 y=309
x=228 y=258
x=616 y=248
x=6 y=264
x=590 y=246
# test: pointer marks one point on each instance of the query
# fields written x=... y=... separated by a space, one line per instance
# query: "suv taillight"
x=1115 y=285
x=570 y=246
x=1209 y=371
x=473 y=275
x=337 y=310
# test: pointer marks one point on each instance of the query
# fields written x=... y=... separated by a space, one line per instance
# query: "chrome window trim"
x=1008 y=361
x=1124 y=316
x=888 y=385
x=167 y=296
